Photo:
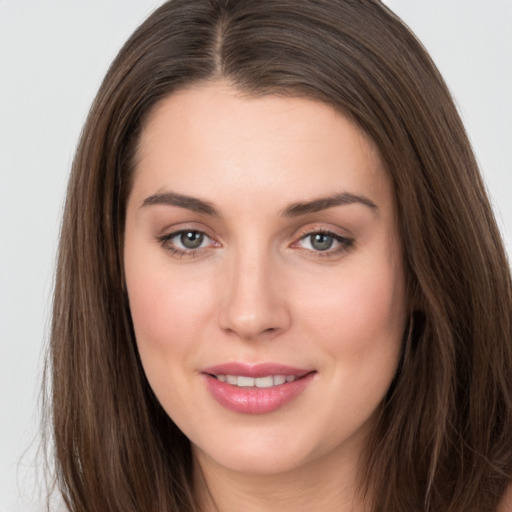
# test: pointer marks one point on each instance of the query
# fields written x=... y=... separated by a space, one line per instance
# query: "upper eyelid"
x=310 y=230
x=171 y=231
x=339 y=238
x=321 y=230
x=175 y=233
x=301 y=234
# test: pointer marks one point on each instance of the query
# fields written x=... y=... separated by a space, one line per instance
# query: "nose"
x=254 y=303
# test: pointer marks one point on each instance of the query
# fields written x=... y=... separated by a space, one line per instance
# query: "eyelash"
x=345 y=244
x=165 y=242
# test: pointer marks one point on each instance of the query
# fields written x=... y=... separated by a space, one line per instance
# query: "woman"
x=280 y=283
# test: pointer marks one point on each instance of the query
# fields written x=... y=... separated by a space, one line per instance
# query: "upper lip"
x=255 y=370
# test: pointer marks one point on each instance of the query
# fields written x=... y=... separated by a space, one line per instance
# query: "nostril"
x=253 y=310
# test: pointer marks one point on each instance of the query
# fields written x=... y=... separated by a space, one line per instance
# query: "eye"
x=190 y=239
x=319 y=241
x=325 y=242
x=186 y=241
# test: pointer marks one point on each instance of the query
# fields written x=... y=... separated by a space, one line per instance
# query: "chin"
x=262 y=453
x=263 y=462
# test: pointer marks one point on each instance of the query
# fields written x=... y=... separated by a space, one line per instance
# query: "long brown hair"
x=443 y=440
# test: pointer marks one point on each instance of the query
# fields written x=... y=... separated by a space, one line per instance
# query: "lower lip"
x=253 y=400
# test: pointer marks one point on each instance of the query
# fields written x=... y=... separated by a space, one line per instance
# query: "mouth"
x=256 y=389
x=268 y=381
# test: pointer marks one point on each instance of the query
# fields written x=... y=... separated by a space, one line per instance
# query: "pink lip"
x=252 y=400
x=254 y=370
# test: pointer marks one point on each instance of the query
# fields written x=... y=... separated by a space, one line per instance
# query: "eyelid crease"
x=324 y=228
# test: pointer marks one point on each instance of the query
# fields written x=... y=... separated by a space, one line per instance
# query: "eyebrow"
x=188 y=202
x=293 y=210
x=323 y=203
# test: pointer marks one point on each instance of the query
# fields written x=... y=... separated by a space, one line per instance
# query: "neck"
x=326 y=484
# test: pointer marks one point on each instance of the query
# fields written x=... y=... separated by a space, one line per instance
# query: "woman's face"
x=264 y=275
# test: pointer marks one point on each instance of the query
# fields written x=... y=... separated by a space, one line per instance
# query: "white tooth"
x=259 y=382
x=279 y=379
x=264 y=382
x=245 y=382
x=232 y=379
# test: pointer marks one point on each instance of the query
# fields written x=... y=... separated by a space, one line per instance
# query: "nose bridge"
x=253 y=303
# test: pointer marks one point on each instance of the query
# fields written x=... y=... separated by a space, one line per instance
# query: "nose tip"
x=254 y=306
x=250 y=324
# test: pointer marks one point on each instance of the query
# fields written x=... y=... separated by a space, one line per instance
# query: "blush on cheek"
x=167 y=308
x=362 y=309
x=149 y=310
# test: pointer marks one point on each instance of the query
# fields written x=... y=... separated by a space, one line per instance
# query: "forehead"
x=212 y=137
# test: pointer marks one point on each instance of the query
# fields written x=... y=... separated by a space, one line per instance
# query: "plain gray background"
x=53 y=55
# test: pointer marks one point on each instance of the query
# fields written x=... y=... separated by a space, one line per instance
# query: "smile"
x=256 y=389
x=268 y=381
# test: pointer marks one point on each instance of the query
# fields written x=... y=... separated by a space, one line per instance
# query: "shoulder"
x=506 y=502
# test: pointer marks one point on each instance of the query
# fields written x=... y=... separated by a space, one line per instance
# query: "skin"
x=506 y=502
x=259 y=290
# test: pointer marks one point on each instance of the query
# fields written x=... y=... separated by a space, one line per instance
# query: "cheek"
x=373 y=309
x=359 y=318
x=359 y=303
x=166 y=312
x=359 y=324
x=168 y=315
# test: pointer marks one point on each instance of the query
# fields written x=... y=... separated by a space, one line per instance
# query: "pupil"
x=322 y=242
x=191 y=239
